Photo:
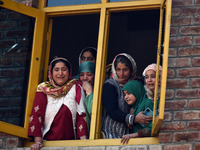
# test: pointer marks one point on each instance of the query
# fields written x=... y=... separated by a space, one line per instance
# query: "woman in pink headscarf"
x=149 y=74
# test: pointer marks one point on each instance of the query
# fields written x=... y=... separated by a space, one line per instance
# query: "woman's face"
x=150 y=79
x=87 y=76
x=123 y=72
x=87 y=56
x=60 y=73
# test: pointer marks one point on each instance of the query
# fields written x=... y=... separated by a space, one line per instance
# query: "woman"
x=149 y=74
x=87 y=54
x=86 y=75
x=115 y=110
x=58 y=111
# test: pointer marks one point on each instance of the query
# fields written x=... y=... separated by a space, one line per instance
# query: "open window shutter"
x=35 y=64
x=157 y=120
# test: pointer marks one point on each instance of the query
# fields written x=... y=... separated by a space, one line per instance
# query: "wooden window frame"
x=40 y=58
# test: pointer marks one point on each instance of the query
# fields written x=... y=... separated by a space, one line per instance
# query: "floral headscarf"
x=134 y=68
x=51 y=88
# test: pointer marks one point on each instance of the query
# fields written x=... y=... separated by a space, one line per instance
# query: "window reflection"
x=16 y=32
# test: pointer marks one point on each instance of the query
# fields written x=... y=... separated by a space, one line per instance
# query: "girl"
x=115 y=109
x=135 y=95
x=86 y=75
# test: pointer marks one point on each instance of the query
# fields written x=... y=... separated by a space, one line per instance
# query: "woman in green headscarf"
x=135 y=89
x=86 y=75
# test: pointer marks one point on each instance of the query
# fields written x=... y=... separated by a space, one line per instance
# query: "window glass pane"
x=51 y=3
x=16 y=33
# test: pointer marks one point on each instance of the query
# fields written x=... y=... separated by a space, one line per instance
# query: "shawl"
x=50 y=88
x=85 y=49
x=110 y=127
x=150 y=94
x=134 y=67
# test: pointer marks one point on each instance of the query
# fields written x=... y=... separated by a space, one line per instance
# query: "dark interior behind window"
x=135 y=33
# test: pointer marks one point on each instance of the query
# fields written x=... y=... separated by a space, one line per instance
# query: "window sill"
x=98 y=142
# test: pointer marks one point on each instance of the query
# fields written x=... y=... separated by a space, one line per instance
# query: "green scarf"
x=136 y=88
x=87 y=66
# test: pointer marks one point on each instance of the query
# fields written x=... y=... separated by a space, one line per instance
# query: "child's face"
x=129 y=98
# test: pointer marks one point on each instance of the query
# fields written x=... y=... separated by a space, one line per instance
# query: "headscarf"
x=134 y=68
x=51 y=88
x=108 y=70
x=87 y=66
x=150 y=93
x=136 y=88
x=85 y=50
x=151 y=67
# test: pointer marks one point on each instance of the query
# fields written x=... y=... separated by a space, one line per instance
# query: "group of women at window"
x=63 y=105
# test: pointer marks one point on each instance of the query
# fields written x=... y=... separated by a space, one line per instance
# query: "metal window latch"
x=1 y=2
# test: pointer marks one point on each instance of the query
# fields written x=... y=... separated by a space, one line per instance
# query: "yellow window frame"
x=40 y=57
x=157 y=120
x=35 y=69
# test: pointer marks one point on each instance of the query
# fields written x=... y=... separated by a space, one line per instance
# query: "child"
x=135 y=95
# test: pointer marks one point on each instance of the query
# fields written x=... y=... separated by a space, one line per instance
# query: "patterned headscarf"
x=51 y=88
x=134 y=68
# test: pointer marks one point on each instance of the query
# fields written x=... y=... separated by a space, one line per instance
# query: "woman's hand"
x=142 y=119
x=38 y=143
x=126 y=137
x=36 y=146
x=87 y=87
x=84 y=137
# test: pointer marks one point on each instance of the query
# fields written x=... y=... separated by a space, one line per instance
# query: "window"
x=105 y=17
x=25 y=33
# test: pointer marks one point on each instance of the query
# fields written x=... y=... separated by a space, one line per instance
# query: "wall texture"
x=181 y=127
x=182 y=108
